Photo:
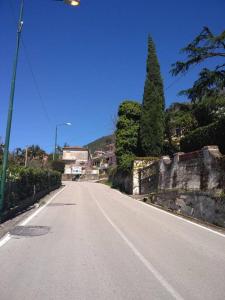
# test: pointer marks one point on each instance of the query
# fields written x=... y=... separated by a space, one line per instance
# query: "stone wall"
x=192 y=184
x=205 y=206
x=122 y=181
x=199 y=170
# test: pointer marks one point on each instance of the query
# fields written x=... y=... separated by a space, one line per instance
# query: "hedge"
x=213 y=134
x=24 y=183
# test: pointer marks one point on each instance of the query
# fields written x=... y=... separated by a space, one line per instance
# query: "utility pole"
x=10 y=109
x=55 y=148
x=56 y=137
x=26 y=156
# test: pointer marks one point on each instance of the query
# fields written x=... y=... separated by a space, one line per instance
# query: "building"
x=77 y=162
x=103 y=160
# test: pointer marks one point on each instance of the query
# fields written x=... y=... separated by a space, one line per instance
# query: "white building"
x=77 y=161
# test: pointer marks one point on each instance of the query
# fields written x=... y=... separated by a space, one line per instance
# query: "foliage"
x=120 y=179
x=210 y=82
x=34 y=151
x=209 y=110
x=35 y=156
x=58 y=165
x=179 y=120
x=213 y=134
x=152 y=116
x=24 y=182
x=169 y=148
x=126 y=162
x=1 y=150
x=127 y=131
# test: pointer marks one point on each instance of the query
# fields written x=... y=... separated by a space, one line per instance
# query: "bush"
x=213 y=134
x=120 y=179
x=23 y=183
x=58 y=165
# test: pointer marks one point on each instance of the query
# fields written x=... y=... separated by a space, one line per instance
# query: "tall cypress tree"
x=152 y=116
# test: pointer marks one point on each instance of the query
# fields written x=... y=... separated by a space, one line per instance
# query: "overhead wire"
x=28 y=61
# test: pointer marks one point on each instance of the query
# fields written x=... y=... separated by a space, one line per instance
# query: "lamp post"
x=56 y=136
x=11 y=100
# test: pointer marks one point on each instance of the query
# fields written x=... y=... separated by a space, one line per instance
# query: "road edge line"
x=183 y=218
x=7 y=237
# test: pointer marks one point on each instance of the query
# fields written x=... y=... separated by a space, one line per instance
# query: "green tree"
x=127 y=130
x=1 y=149
x=179 y=121
x=209 y=110
x=35 y=152
x=210 y=82
x=152 y=116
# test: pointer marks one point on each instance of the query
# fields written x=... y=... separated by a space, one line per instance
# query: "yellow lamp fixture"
x=72 y=2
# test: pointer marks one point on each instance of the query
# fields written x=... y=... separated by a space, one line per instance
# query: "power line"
x=27 y=58
x=35 y=81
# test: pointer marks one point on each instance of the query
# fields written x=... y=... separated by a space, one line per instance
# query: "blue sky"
x=87 y=60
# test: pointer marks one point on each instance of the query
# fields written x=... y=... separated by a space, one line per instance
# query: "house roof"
x=78 y=148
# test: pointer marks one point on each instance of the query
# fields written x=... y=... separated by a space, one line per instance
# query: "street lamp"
x=72 y=2
x=56 y=136
x=11 y=100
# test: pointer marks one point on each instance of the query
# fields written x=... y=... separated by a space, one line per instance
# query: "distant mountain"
x=101 y=144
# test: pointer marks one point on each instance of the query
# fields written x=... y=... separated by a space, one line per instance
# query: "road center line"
x=7 y=237
x=147 y=264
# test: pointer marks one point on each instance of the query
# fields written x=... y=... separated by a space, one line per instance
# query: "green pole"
x=10 y=110
x=55 y=149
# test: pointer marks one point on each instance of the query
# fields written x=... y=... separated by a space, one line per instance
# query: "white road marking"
x=147 y=264
x=173 y=215
x=183 y=219
x=7 y=237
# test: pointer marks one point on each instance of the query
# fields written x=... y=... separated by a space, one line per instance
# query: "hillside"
x=101 y=143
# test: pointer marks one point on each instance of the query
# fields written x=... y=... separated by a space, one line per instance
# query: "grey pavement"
x=101 y=244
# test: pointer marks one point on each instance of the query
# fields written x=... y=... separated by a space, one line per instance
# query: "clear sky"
x=86 y=60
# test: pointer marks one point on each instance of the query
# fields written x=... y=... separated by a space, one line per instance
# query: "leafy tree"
x=210 y=82
x=1 y=149
x=127 y=130
x=18 y=157
x=34 y=151
x=179 y=121
x=152 y=116
x=209 y=110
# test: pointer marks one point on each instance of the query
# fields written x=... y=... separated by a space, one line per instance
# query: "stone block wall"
x=205 y=206
x=199 y=170
x=192 y=184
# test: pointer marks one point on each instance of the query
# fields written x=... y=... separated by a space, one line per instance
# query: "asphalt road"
x=100 y=244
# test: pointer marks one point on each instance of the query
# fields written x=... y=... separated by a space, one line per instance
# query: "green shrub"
x=213 y=134
x=58 y=165
x=23 y=183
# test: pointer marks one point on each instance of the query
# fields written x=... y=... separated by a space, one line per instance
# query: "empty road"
x=92 y=242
